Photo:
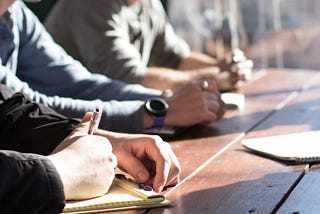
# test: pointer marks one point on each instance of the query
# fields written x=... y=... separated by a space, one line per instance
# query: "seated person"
x=32 y=63
x=133 y=41
x=42 y=152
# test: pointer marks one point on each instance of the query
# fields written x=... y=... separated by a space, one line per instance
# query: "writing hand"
x=85 y=163
x=148 y=159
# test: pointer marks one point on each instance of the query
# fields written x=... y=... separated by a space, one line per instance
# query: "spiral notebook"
x=301 y=147
x=124 y=194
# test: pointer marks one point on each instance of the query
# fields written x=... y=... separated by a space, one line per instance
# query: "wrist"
x=156 y=108
x=167 y=94
x=147 y=118
x=55 y=159
x=179 y=79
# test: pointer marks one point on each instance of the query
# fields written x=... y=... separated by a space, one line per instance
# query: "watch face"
x=157 y=106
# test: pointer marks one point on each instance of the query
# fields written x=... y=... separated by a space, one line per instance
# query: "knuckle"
x=166 y=161
x=211 y=117
x=177 y=170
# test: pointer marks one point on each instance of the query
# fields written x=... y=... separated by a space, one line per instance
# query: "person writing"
x=133 y=41
x=32 y=63
x=42 y=153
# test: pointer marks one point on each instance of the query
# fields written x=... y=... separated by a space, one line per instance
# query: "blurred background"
x=274 y=33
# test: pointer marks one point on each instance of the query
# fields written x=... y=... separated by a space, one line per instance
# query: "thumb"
x=87 y=117
x=83 y=126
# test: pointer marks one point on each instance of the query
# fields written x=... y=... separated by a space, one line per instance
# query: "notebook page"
x=305 y=145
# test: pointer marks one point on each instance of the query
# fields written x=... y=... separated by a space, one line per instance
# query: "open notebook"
x=123 y=194
x=302 y=147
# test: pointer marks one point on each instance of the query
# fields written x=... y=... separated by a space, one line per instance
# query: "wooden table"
x=220 y=176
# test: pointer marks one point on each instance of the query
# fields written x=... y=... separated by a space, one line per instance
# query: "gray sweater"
x=32 y=63
x=113 y=38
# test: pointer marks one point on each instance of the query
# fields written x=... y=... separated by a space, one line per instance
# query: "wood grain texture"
x=219 y=175
x=305 y=197
x=237 y=181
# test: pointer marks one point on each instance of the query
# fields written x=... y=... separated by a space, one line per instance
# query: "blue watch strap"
x=158 y=122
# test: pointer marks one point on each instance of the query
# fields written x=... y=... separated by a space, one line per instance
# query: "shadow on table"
x=308 y=113
x=252 y=196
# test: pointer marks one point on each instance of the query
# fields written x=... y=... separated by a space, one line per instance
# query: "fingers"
x=238 y=55
x=243 y=69
x=150 y=160
x=247 y=64
x=213 y=101
x=226 y=80
x=113 y=160
x=133 y=165
x=195 y=103
x=167 y=167
x=216 y=110
x=87 y=117
x=175 y=170
x=241 y=65
x=239 y=68
x=83 y=126
x=208 y=85
x=162 y=173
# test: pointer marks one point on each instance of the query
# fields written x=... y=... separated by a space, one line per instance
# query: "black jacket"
x=29 y=183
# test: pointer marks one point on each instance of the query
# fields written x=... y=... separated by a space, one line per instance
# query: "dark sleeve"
x=29 y=183
x=30 y=127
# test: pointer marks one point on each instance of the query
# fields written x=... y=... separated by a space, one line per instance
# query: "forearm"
x=164 y=78
x=196 y=61
x=116 y=114
x=30 y=184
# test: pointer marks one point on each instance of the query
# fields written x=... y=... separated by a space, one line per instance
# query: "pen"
x=94 y=122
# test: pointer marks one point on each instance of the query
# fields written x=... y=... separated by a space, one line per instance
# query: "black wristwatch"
x=157 y=107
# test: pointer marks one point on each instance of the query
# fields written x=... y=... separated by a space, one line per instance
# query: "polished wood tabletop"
x=220 y=176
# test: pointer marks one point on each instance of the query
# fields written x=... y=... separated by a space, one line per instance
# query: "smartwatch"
x=157 y=108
